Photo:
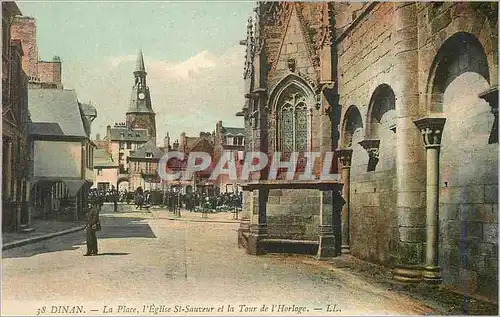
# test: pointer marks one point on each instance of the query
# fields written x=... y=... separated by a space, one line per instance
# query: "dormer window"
x=149 y=155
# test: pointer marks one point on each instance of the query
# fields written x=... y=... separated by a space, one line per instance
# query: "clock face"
x=141 y=95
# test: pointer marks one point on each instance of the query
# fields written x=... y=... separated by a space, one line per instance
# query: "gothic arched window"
x=293 y=123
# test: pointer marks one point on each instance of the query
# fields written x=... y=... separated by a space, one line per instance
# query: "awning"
x=74 y=186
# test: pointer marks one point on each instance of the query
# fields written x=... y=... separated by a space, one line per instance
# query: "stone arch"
x=460 y=73
x=382 y=105
x=460 y=53
x=351 y=123
x=291 y=102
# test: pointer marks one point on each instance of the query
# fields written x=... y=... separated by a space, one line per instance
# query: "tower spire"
x=139 y=66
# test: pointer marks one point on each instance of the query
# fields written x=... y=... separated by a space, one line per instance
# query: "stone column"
x=345 y=156
x=432 y=130
x=258 y=222
x=410 y=164
x=326 y=248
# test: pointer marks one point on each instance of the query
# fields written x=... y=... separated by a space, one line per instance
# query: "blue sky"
x=191 y=52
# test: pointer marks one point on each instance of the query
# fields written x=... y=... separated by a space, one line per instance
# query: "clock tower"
x=140 y=114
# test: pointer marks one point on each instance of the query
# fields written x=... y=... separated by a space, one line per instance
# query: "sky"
x=191 y=53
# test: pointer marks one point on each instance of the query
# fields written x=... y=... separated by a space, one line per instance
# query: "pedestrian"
x=115 y=200
x=93 y=225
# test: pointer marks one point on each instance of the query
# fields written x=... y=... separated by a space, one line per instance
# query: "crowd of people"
x=200 y=201
x=171 y=199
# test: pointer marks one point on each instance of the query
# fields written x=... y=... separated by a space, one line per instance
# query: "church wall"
x=294 y=214
x=468 y=210
x=364 y=63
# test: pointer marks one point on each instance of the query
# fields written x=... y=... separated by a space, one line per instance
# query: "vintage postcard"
x=205 y=158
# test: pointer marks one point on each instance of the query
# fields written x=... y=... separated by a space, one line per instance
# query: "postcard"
x=242 y=158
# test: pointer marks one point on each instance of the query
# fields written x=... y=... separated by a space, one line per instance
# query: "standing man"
x=93 y=226
x=115 y=200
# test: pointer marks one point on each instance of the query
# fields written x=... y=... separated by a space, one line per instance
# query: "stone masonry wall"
x=24 y=29
x=364 y=63
x=469 y=189
x=468 y=212
x=293 y=214
x=50 y=72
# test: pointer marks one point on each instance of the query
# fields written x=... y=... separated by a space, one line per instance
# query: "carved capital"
x=432 y=130
x=371 y=146
x=491 y=97
x=345 y=156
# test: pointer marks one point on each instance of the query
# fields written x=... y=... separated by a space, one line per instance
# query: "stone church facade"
x=406 y=95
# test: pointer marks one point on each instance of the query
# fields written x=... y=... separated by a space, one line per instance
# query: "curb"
x=20 y=243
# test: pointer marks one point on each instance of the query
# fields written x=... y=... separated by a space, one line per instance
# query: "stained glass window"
x=293 y=123
x=301 y=127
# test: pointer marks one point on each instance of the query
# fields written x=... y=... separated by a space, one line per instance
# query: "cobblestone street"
x=153 y=261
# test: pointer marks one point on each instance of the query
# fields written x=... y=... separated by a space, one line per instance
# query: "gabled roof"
x=233 y=131
x=190 y=142
x=57 y=106
x=103 y=159
x=148 y=147
x=202 y=145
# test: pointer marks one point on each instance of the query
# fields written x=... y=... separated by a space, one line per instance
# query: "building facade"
x=62 y=154
x=231 y=142
x=290 y=107
x=195 y=181
x=143 y=167
x=41 y=74
x=410 y=91
x=105 y=170
x=120 y=142
x=16 y=149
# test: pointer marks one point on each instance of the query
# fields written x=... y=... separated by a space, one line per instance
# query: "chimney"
x=166 y=141
x=108 y=131
x=182 y=141
x=98 y=137
x=218 y=128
